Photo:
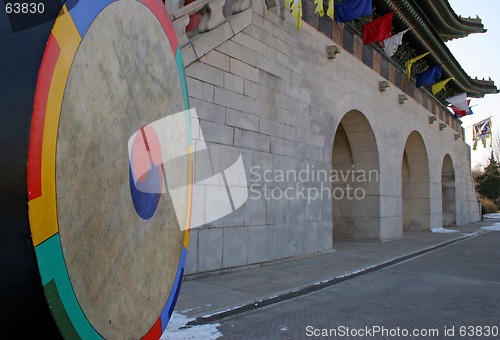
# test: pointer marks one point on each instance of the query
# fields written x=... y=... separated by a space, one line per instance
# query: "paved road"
x=449 y=290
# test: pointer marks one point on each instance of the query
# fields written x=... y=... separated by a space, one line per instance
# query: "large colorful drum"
x=110 y=255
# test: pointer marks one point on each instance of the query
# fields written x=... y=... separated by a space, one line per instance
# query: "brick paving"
x=455 y=286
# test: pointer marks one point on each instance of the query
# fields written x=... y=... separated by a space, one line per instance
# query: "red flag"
x=458 y=112
x=378 y=29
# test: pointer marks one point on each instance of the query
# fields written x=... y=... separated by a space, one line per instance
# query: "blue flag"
x=348 y=10
x=430 y=76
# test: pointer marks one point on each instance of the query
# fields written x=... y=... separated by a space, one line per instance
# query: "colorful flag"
x=440 y=85
x=296 y=7
x=461 y=113
x=348 y=10
x=460 y=101
x=330 y=10
x=429 y=77
x=319 y=7
x=391 y=44
x=378 y=29
x=410 y=62
x=482 y=129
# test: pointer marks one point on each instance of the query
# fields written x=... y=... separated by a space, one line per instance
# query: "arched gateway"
x=355 y=184
x=448 y=192
x=415 y=184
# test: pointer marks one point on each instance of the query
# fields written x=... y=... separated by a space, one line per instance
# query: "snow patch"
x=283 y=328
x=443 y=230
x=175 y=330
x=496 y=215
x=494 y=227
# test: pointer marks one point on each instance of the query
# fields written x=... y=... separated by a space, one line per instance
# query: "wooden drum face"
x=110 y=256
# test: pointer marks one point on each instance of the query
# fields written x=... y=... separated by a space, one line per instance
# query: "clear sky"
x=479 y=55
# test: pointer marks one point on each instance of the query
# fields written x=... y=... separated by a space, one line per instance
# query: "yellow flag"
x=440 y=85
x=329 y=12
x=319 y=7
x=297 y=13
x=410 y=62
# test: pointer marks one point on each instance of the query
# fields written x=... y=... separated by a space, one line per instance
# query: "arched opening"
x=355 y=180
x=415 y=184
x=448 y=192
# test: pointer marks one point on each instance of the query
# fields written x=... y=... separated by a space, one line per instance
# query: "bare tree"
x=495 y=143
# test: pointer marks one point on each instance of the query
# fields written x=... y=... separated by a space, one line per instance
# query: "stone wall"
x=263 y=90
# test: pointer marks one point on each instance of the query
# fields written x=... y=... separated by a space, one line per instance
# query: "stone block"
x=367 y=228
x=285 y=49
x=275 y=204
x=283 y=59
x=242 y=120
x=208 y=92
x=343 y=227
x=195 y=87
x=293 y=118
x=271 y=127
x=261 y=161
x=313 y=206
x=244 y=70
x=286 y=102
x=268 y=65
x=310 y=152
x=210 y=249
x=217 y=133
x=216 y=59
x=289 y=132
x=188 y=55
x=251 y=140
x=261 y=35
x=233 y=83
x=250 y=43
x=211 y=39
x=284 y=241
x=285 y=73
x=326 y=209
x=240 y=21
x=260 y=244
x=324 y=236
x=233 y=219
x=271 y=53
x=191 y=266
x=321 y=115
x=235 y=247
x=265 y=110
x=255 y=211
x=285 y=147
x=390 y=228
x=206 y=73
x=229 y=155
x=284 y=36
x=239 y=52
x=234 y=100
x=208 y=111
x=250 y=88
x=307 y=235
x=266 y=93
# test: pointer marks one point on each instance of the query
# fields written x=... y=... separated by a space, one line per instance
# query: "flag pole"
x=479 y=121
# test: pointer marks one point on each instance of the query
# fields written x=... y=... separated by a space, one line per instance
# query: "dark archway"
x=355 y=180
x=415 y=184
x=448 y=192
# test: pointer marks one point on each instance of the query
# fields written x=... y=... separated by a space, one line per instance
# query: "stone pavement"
x=212 y=295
